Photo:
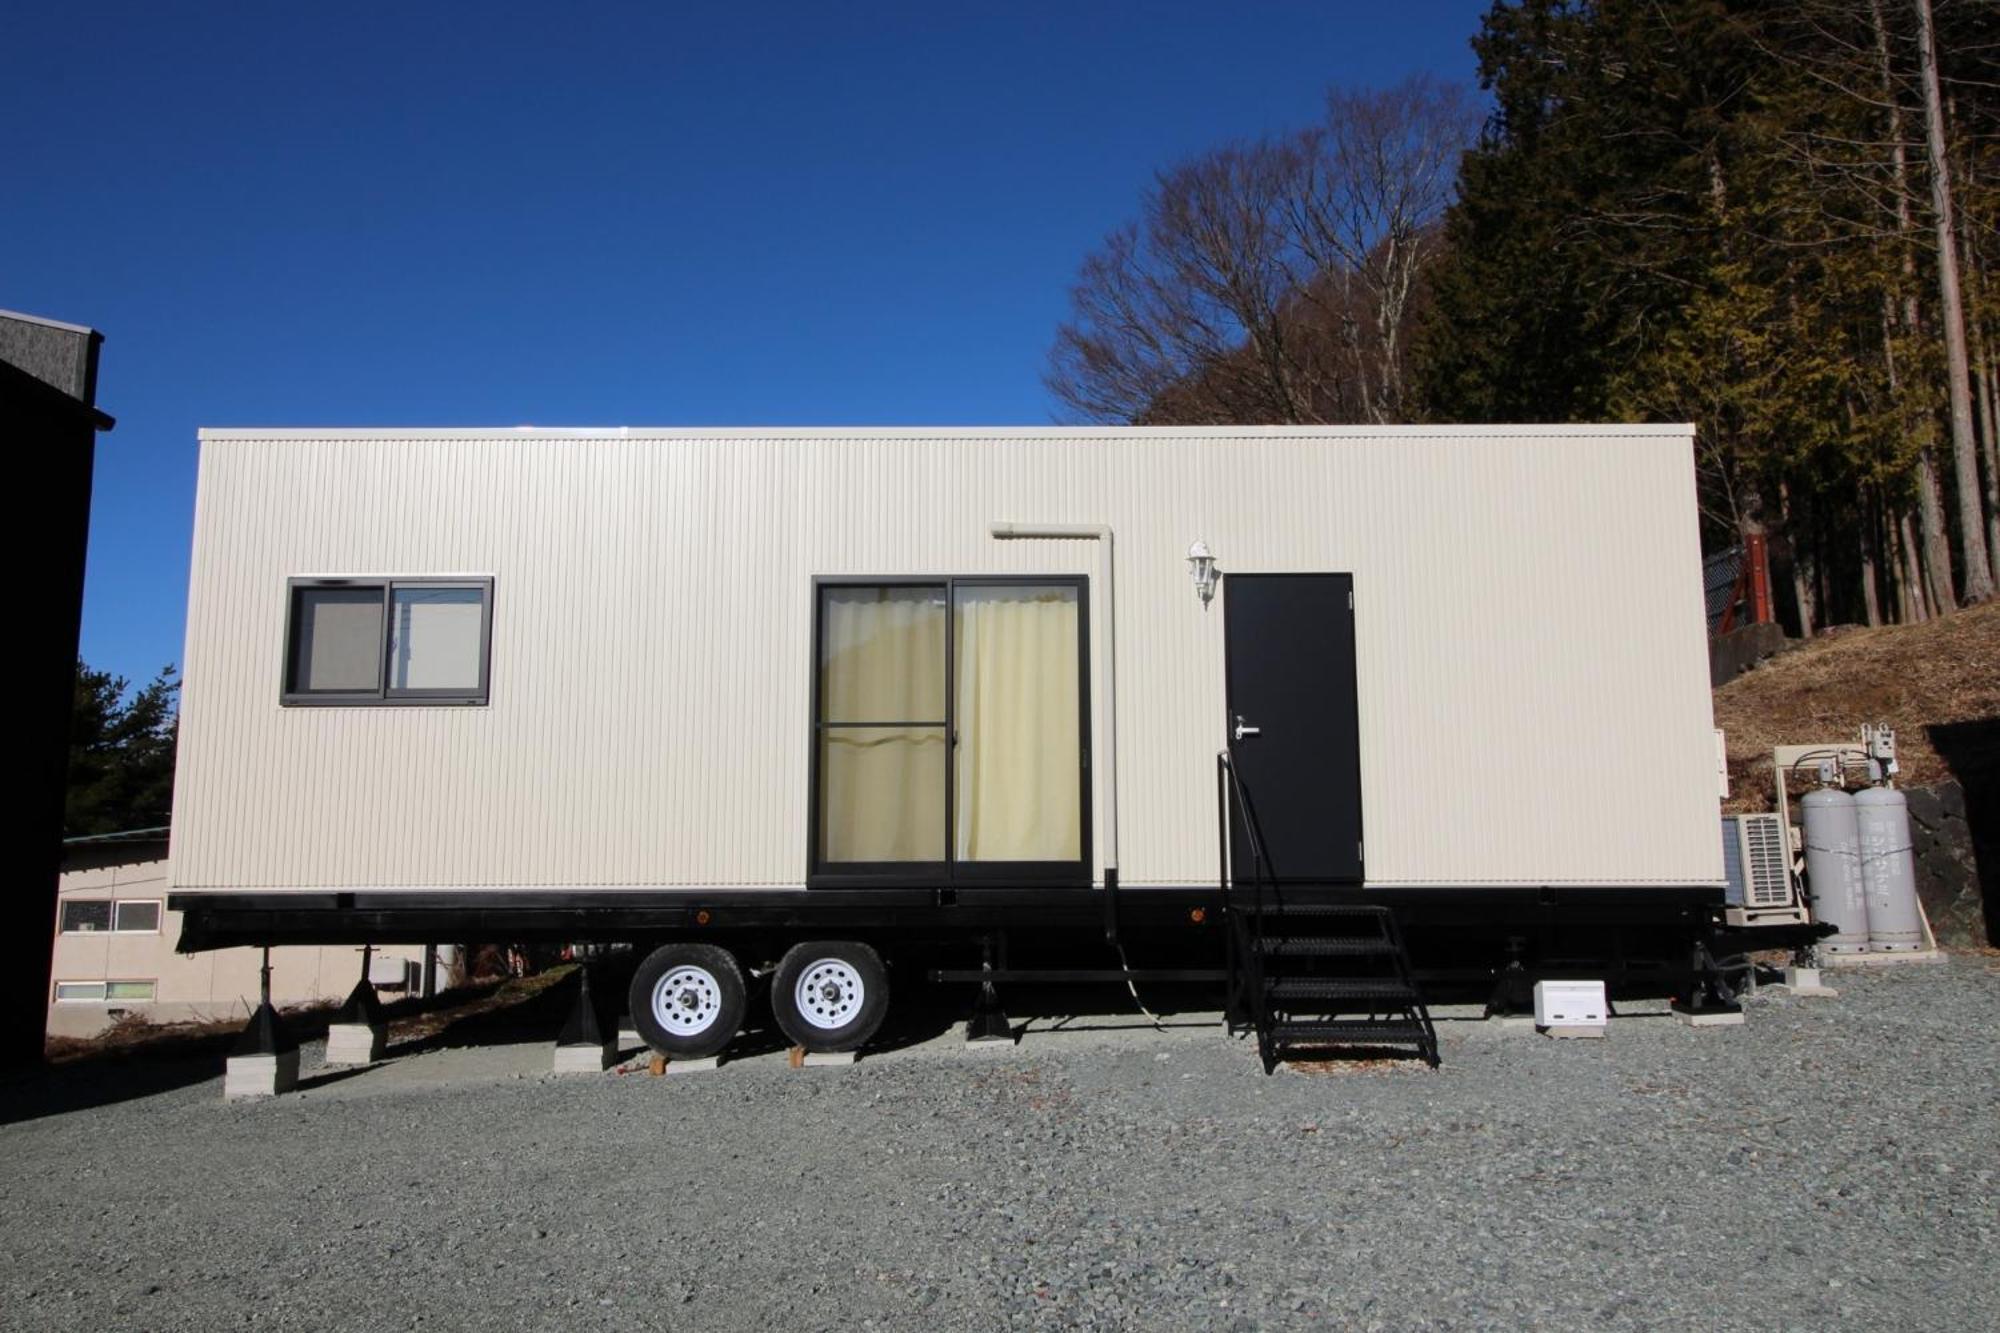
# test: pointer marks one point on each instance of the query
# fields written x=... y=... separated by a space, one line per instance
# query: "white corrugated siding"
x=1532 y=664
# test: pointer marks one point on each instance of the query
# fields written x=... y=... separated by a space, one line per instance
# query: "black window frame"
x=950 y=871
x=385 y=694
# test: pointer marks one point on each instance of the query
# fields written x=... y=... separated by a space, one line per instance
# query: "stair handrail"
x=1262 y=879
x=1420 y=1010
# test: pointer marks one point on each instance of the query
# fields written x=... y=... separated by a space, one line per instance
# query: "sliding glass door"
x=949 y=724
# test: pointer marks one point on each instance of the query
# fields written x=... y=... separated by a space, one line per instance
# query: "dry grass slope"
x=1911 y=676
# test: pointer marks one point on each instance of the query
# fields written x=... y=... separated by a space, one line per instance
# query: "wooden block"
x=796 y=1057
x=657 y=1065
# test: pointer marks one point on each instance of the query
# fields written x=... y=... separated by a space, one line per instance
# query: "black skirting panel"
x=1464 y=943
x=221 y=920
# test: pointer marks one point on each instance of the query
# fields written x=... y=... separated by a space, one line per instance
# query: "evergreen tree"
x=121 y=755
x=1710 y=210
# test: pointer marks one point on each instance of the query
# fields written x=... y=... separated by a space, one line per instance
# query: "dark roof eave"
x=127 y=835
x=99 y=420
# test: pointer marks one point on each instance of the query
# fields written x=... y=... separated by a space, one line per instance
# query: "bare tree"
x=1273 y=281
x=1194 y=293
x=1373 y=181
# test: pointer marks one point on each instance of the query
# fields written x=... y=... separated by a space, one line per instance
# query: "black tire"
x=709 y=1004
x=842 y=965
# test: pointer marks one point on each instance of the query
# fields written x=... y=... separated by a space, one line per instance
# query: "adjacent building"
x=49 y=419
x=114 y=957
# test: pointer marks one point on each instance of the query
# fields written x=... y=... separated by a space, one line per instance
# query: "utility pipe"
x=1107 y=761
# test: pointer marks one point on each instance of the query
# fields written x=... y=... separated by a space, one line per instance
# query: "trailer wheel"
x=830 y=995
x=688 y=999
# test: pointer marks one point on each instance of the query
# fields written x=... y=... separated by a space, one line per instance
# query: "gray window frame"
x=824 y=874
x=118 y=907
x=103 y=987
x=384 y=694
x=110 y=906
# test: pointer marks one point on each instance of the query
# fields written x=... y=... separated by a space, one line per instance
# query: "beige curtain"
x=882 y=660
x=1019 y=792
x=882 y=654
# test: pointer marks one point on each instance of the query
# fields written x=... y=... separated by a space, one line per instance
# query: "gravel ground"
x=1830 y=1164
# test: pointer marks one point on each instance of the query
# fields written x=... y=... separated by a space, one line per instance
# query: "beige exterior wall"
x=221 y=984
x=1532 y=658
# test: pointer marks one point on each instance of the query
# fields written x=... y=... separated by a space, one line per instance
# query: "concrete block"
x=584 y=1059
x=991 y=1045
x=1805 y=981
x=260 y=1075
x=678 y=1065
x=1574 y=1030
x=1710 y=1018
x=354 y=1044
x=827 y=1059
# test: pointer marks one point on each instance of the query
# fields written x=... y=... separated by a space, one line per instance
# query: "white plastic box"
x=1571 y=1008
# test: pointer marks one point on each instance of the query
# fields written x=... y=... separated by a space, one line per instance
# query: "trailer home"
x=1201 y=700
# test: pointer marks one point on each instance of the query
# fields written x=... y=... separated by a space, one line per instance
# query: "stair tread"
x=1347 y=946
x=1336 y=988
x=1329 y=1031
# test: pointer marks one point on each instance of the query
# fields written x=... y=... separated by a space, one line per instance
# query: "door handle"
x=1243 y=729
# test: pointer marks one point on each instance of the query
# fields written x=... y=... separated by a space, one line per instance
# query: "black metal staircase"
x=1308 y=975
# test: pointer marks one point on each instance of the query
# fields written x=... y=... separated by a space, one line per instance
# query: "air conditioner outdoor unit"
x=1757 y=862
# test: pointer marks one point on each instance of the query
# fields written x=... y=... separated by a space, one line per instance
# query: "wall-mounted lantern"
x=1201 y=567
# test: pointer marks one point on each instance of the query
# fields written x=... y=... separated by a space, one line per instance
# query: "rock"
x=1947 y=864
x=1926 y=808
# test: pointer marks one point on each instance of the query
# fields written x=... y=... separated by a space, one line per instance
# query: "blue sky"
x=616 y=213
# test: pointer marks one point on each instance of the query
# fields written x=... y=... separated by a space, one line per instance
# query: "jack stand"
x=1711 y=1001
x=989 y=1020
x=265 y=1059
x=358 y=1032
x=1512 y=991
x=581 y=1046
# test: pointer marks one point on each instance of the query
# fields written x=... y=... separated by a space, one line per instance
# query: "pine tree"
x=121 y=758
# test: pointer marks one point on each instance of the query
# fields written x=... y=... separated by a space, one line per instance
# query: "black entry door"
x=1293 y=724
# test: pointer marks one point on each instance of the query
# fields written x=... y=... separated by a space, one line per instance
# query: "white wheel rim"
x=687 y=1001
x=830 y=994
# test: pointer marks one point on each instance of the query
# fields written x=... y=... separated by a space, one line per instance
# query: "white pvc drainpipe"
x=1107 y=760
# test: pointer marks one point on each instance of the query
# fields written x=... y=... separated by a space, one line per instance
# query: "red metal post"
x=1757 y=557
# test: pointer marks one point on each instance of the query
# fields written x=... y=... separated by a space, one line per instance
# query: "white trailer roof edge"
x=276 y=433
